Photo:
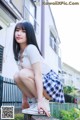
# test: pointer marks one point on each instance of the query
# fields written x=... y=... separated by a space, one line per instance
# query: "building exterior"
x=12 y=11
x=70 y=76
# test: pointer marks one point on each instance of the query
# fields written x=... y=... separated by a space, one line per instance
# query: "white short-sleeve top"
x=30 y=56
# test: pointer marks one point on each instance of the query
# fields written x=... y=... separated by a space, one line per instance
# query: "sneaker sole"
x=32 y=113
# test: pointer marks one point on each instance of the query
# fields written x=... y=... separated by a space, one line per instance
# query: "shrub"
x=73 y=114
x=57 y=107
x=18 y=117
x=68 y=89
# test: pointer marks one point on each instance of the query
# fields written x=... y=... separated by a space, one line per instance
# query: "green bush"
x=73 y=114
x=18 y=117
x=68 y=89
x=55 y=108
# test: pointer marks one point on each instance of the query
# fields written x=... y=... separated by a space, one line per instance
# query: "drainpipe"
x=42 y=29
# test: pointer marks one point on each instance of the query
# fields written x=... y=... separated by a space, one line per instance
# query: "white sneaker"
x=32 y=100
x=33 y=110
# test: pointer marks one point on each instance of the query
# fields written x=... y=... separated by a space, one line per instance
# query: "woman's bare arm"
x=38 y=79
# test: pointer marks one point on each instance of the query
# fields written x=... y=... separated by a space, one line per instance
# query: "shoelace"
x=33 y=105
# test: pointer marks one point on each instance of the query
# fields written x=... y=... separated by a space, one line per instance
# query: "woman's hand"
x=43 y=107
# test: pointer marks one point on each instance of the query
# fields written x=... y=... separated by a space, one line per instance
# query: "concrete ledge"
x=38 y=117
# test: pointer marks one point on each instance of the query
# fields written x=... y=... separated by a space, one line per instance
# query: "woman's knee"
x=16 y=77
x=25 y=73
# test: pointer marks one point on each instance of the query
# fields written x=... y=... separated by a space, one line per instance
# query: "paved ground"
x=43 y=118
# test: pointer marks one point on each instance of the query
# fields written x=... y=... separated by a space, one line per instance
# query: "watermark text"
x=58 y=3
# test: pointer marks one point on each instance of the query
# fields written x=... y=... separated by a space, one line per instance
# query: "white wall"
x=50 y=55
x=2 y=37
x=9 y=64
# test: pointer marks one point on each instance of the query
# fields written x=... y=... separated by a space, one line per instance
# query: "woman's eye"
x=17 y=29
x=24 y=30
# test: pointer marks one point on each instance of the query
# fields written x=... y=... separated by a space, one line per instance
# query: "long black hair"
x=30 y=34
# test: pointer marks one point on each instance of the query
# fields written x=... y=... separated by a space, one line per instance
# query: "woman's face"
x=20 y=35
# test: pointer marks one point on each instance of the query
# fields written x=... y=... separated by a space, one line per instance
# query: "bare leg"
x=46 y=95
x=21 y=86
x=24 y=91
x=27 y=78
x=25 y=81
x=24 y=102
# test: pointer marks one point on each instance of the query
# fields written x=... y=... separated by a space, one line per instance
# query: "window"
x=63 y=72
x=18 y=5
x=1 y=57
x=53 y=43
x=30 y=12
x=0 y=27
x=36 y=0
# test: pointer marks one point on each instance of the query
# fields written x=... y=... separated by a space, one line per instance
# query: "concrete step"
x=38 y=117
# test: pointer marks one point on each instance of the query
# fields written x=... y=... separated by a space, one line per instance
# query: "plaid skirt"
x=53 y=86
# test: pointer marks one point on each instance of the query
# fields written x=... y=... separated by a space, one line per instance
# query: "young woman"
x=35 y=79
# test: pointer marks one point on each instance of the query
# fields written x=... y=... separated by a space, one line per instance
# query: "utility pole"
x=42 y=27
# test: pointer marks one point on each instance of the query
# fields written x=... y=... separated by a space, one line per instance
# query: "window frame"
x=1 y=27
x=1 y=57
x=29 y=12
x=53 y=41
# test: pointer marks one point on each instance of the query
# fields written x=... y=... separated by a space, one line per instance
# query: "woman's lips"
x=18 y=38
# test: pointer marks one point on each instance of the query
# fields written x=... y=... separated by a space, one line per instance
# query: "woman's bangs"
x=20 y=26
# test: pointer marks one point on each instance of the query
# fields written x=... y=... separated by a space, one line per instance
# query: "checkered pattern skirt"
x=53 y=86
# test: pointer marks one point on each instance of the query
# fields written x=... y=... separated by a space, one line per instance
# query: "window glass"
x=53 y=43
x=30 y=12
x=0 y=27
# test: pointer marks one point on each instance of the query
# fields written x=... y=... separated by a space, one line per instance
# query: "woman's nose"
x=19 y=33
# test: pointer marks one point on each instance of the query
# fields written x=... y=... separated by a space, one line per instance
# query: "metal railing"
x=9 y=93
